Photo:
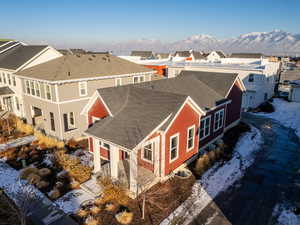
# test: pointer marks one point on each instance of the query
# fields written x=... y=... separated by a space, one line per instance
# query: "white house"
x=16 y=57
x=294 y=94
x=216 y=56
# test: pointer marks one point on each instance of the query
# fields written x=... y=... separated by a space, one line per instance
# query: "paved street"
x=273 y=178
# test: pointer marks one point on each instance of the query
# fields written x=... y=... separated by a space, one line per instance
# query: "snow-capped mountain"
x=275 y=42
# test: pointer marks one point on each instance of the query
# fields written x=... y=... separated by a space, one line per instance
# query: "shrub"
x=33 y=178
x=202 y=164
x=82 y=213
x=64 y=160
x=113 y=192
x=80 y=173
x=95 y=210
x=72 y=143
x=219 y=153
x=75 y=184
x=124 y=217
x=27 y=171
x=54 y=194
x=23 y=127
x=99 y=201
x=48 y=141
x=44 y=172
x=91 y=221
x=109 y=206
x=10 y=153
x=42 y=184
x=212 y=156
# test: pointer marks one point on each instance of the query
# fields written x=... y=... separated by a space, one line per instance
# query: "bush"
x=113 y=192
x=82 y=213
x=54 y=194
x=33 y=178
x=27 y=171
x=48 y=142
x=75 y=185
x=124 y=217
x=95 y=210
x=44 y=172
x=91 y=221
x=42 y=184
x=109 y=206
x=10 y=153
x=80 y=173
x=64 y=160
x=23 y=127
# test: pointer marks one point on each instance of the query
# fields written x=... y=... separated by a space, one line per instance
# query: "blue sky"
x=58 y=21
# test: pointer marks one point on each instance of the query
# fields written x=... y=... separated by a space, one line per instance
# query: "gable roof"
x=136 y=115
x=246 y=55
x=183 y=53
x=8 y=45
x=72 y=67
x=3 y=42
x=219 y=82
x=6 y=91
x=221 y=54
x=15 y=57
x=163 y=55
x=198 y=55
x=144 y=54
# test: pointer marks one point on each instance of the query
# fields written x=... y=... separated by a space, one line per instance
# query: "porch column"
x=97 y=158
x=133 y=172
x=114 y=161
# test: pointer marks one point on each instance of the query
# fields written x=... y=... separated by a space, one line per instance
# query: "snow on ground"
x=70 y=202
x=17 y=142
x=219 y=178
x=286 y=216
x=287 y=113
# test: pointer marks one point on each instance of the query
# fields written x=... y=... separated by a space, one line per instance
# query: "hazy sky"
x=66 y=21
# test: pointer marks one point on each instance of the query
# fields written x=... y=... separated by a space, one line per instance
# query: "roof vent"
x=90 y=59
x=69 y=73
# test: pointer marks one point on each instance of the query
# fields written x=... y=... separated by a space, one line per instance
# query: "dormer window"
x=82 y=88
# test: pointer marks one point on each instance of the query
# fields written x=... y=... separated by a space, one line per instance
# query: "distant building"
x=216 y=56
x=143 y=55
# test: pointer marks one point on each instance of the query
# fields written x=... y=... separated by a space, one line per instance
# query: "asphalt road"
x=273 y=178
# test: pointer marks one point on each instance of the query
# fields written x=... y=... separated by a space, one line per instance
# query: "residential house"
x=245 y=58
x=163 y=55
x=216 y=56
x=143 y=55
x=14 y=58
x=145 y=132
x=259 y=80
x=55 y=92
x=290 y=83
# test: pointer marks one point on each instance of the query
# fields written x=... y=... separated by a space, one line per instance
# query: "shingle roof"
x=6 y=91
x=219 y=82
x=136 y=114
x=3 y=42
x=8 y=45
x=198 y=55
x=246 y=55
x=163 y=55
x=221 y=54
x=17 y=56
x=69 y=67
x=290 y=75
x=183 y=53
x=139 y=108
x=145 y=54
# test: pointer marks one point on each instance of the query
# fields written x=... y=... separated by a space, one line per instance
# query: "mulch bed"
x=161 y=200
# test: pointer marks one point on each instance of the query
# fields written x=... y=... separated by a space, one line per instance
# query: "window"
x=219 y=117
x=17 y=103
x=8 y=79
x=0 y=78
x=4 y=78
x=251 y=78
x=71 y=119
x=37 y=89
x=105 y=145
x=52 y=123
x=138 y=79
x=174 y=143
x=27 y=87
x=32 y=87
x=118 y=82
x=148 y=152
x=48 y=92
x=82 y=88
x=190 y=137
x=204 y=130
x=14 y=80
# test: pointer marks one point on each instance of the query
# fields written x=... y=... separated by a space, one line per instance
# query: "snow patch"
x=285 y=215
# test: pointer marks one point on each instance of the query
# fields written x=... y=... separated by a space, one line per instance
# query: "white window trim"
x=85 y=87
x=95 y=119
x=32 y=87
x=205 y=136
x=139 y=79
x=14 y=81
x=37 y=86
x=27 y=87
x=152 y=155
x=219 y=112
x=116 y=82
x=50 y=91
x=177 y=155
x=187 y=138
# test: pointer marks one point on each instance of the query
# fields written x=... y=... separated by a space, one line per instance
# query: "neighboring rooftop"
x=15 y=57
x=246 y=55
x=163 y=55
x=198 y=55
x=6 y=91
x=290 y=75
x=183 y=53
x=8 y=45
x=221 y=54
x=143 y=54
x=72 y=67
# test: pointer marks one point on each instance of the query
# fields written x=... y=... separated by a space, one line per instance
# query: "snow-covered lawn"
x=219 y=178
x=287 y=113
x=286 y=216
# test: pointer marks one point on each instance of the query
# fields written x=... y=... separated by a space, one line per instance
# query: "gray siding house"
x=56 y=92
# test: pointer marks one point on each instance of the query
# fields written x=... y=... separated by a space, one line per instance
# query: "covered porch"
x=6 y=99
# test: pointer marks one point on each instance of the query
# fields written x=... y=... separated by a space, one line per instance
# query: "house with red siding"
x=143 y=133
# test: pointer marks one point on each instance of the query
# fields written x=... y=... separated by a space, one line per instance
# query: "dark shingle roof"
x=163 y=55
x=221 y=54
x=3 y=42
x=198 y=55
x=8 y=45
x=17 y=56
x=246 y=55
x=144 y=54
x=183 y=53
x=137 y=113
x=69 y=67
x=6 y=91
x=290 y=75
x=219 y=82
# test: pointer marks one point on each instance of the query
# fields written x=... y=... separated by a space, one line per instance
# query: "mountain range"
x=276 y=42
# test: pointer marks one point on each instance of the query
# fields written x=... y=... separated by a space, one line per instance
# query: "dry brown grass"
x=80 y=173
x=48 y=142
x=124 y=217
x=113 y=192
x=110 y=206
x=44 y=172
x=75 y=185
x=82 y=213
x=23 y=127
x=91 y=221
x=33 y=178
x=27 y=171
x=42 y=184
x=202 y=164
x=10 y=153
x=95 y=210
x=54 y=194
